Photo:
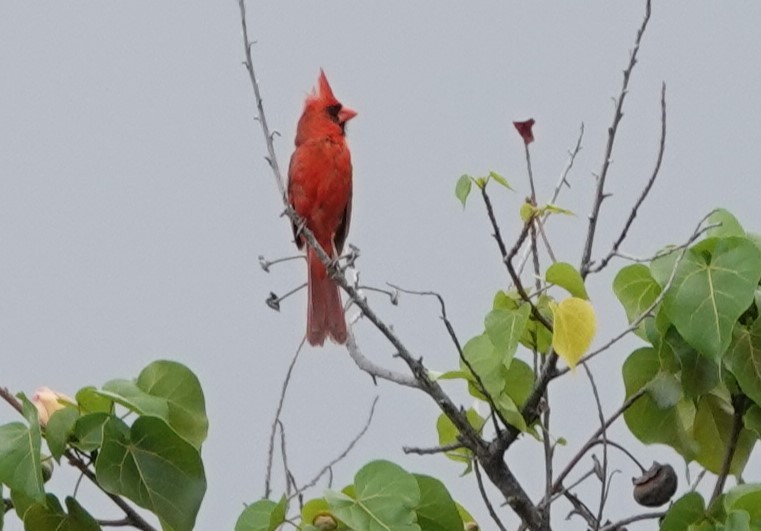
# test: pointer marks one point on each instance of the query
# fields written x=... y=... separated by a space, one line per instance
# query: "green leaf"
x=22 y=503
x=168 y=390
x=20 y=460
x=385 y=498
x=462 y=189
x=89 y=400
x=738 y=521
x=155 y=468
x=711 y=292
x=263 y=515
x=51 y=517
x=712 y=430
x=567 y=277
x=698 y=373
x=519 y=381
x=687 y=510
x=745 y=497
x=646 y=420
x=537 y=336
x=637 y=290
x=88 y=431
x=501 y=180
x=510 y=412
x=448 y=435
x=752 y=420
x=182 y=391
x=662 y=267
x=728 y=224
x=487 y=363
x=505 y=328
x=744 y=359
x=665 y=389
x=436 y=510
x=59 y=429
x=129 y=395
x=464 y=514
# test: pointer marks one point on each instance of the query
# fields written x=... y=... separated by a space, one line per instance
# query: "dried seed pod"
x=325 y=522
x=656 y=486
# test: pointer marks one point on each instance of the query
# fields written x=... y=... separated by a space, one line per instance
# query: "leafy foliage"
x=705 y=339
x=155 y=461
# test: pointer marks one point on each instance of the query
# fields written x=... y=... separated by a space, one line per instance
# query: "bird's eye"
x=333 y=111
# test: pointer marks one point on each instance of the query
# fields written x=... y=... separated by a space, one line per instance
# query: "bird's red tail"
x=325 y=315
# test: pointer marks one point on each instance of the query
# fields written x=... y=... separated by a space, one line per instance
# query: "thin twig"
x=645 y=191
x=453 y=336
x=593 y=440
x=507 y=257
x=276 y=420
x=289 y=479
x=261 y=118
x=484 y=497
x=311 y=483
x=600 y=194
x=604 y=475
x=569 y=488
x=556 y=193
x=740 y=404
x=630 y=520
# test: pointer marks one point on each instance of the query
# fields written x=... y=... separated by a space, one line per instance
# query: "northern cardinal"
x=319 y=190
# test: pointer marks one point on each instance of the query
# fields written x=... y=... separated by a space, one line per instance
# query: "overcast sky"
x=135 y=200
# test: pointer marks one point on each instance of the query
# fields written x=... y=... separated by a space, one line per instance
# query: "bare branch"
x=343 y=454
x=456 y=341
x=433 y=450
x=276 y=420
x=484 y=497
x=630 y=520
x=507 y=257
x=376 y=371
x=555 y=194
x=617 y=116
x=633 y=214
x=604 y=475
x=592 y=441
x=261 y=118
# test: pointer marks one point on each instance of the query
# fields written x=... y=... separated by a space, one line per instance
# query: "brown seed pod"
x=656 y=486
x=325 y=522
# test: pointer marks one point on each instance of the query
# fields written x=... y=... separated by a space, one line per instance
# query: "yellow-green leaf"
x=549 y=208
x=574 y=328
x=527 y=211
x=462 y=188
x=501 y=180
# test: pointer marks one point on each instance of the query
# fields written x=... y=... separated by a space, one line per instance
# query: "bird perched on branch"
x=319 y=190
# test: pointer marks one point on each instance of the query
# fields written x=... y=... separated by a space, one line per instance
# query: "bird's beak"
x=346 y=114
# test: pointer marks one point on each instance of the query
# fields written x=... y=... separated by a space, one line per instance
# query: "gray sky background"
x=134 y=200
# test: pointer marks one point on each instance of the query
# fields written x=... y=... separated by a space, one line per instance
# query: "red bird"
x=319 y=190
